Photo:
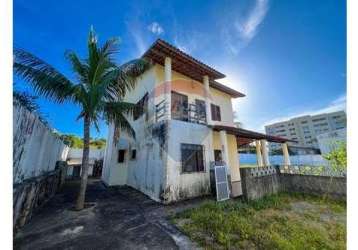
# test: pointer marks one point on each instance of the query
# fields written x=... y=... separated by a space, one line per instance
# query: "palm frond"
x=45 y=79
x=115 y=112
x=79 y=67
x=128 y=72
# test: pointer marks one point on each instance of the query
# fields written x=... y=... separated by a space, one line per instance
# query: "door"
x=76 y=171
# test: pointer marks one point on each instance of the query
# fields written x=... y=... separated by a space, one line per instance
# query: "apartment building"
x=305 y=129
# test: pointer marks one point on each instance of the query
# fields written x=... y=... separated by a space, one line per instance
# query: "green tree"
x=98 y=88
x=338 y=156
x=73 y=141
x=98 y=143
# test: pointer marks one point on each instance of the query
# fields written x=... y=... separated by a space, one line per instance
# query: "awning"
x=245 y=136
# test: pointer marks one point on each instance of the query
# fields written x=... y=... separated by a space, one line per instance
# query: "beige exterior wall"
x=195 y=90
x=157 y=171
x=233 y=154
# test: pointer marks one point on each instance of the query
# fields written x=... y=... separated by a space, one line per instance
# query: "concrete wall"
x=144 y=173
x=179 y=185
x=76 y=153
x=35 y=148
x=335 y=187
x=258 y=182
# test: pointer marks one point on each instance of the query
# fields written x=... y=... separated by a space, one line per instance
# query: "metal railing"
x=160 y=110
x=191 y=114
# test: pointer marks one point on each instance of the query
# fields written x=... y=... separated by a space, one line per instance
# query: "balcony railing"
x=193 y=113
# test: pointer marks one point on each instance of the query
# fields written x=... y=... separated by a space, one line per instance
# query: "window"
x=303 y=122
x=192 y=157
x=121 y=154
x=179 y=106
x=319 y=119
x=215 y=113
x=134 y=154
x=142 y=107
x=200 y=109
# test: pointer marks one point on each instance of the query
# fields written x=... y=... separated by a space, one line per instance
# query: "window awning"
x=245 y=136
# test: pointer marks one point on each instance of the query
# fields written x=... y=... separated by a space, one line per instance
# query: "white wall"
x=76 y=153
x=35 y=148
x=185 y=185
x=115 y=173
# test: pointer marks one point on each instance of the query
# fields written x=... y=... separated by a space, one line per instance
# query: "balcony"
x=188 y=112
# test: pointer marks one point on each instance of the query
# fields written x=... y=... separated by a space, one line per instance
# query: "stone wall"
x=33 y=193
x=258 y=182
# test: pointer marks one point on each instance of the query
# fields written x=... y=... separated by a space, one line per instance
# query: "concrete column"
x=224 y=148
x=265 y=155
x=211 y=146
x=286 y=155
x=258 y=154
x=207 y=99
x=168 y=83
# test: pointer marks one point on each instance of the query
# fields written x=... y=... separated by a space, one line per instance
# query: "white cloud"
x=155 y=28
x=241 y=32
x=136 y=29
x=248 y=28
x=189 y=41
x=336 y=105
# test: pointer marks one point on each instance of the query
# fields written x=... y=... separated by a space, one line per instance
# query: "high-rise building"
x=304 y=129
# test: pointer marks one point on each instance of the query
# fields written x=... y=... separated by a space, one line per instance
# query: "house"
x=188 y=124
x=74 y=162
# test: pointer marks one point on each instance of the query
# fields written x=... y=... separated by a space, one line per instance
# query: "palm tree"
x=98 y=88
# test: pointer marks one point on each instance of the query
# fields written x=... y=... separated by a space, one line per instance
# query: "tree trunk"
x=85 y=157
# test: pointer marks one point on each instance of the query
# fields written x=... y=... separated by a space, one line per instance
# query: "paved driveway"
x=119 y=218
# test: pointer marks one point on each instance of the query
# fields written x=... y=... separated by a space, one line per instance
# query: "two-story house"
x=188 y=123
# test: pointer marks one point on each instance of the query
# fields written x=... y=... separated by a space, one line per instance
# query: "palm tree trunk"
x=85 y=157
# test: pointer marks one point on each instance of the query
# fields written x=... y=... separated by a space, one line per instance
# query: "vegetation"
x=282 y=221
x=98 y=88
x=338 y=157
x=75 y=141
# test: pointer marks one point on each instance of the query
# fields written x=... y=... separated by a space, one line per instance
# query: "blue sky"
x=288 y=57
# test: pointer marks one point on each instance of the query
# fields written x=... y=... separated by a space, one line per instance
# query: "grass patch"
x=282 y=221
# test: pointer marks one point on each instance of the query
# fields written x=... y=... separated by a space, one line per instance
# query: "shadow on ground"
x=121 y=218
